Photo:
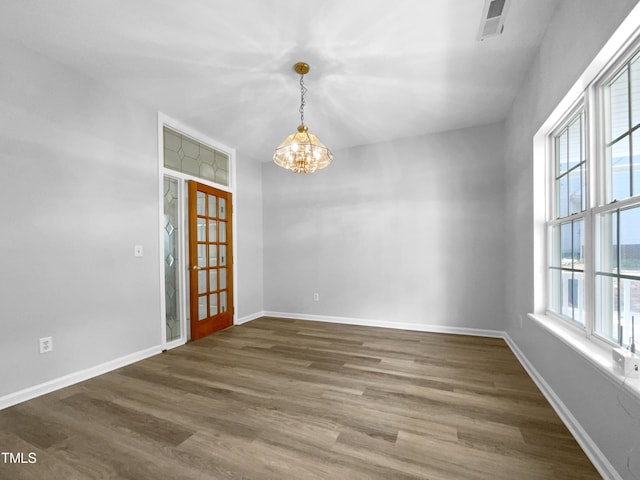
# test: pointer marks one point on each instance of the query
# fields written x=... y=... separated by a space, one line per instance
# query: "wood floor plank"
x=290 y=399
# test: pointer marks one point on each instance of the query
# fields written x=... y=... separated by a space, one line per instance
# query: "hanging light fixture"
x=302 y=152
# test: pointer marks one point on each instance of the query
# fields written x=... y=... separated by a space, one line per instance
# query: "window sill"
x=598 y=355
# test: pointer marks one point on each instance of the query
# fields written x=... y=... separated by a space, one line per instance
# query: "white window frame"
x=587 y=91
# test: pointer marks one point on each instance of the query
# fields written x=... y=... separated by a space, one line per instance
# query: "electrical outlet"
x=138 y=251
x=316 y=297
x=46 y=344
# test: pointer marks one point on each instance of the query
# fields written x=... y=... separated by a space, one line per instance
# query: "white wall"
x=577 y=32
x=79 y=188
x=249 y=258
x=405 y=232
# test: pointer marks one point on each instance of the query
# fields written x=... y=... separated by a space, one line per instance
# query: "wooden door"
x=210 y=258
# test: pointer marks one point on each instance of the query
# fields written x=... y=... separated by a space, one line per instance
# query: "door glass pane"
x=213 y=304
x=222 y=208
x=223 y=278
x=223 y=302
x=213 y=255
x=212 y=231
x=212 y=206
x=202 y=281
x=202 y=307
x=202 y=255
x=223 y=232
x=213 y=279
x=200 y=208
x=223 y=255
x=201 y=229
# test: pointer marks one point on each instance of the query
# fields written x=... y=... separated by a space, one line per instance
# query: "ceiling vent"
x=493 y=16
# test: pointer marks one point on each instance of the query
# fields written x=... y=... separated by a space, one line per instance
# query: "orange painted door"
x=210 y=258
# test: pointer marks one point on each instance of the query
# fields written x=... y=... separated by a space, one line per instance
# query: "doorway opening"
x=197 y=234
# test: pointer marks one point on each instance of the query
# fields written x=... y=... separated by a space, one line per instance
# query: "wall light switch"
x=137 y=251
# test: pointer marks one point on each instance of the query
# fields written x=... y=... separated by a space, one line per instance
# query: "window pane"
x=619 y=170
x=555 y=246
x=575 y=191
x=635 y=92
x=576 y=297
x=575 y=143
x=630 y=242
x=566 y=245
x=578 y=245
x=562 y=197
x=607 y=258
x=619 y=105
x=561 y=153
x=555 y=290
x=635 y=160
x=629 y=309
x=607 y=307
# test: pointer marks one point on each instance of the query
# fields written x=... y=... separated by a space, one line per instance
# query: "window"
x=593 y=212
x=566 y=230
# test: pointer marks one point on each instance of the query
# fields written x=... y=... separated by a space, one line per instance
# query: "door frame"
x=183 y=262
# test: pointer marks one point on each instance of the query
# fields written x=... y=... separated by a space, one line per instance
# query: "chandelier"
x=302 y=152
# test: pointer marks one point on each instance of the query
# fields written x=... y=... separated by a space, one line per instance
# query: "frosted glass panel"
x=187 y=155
x=171 y=281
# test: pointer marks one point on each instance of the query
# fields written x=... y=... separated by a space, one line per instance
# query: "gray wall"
x=405 y=232
x=577 y=32
x=79 y=171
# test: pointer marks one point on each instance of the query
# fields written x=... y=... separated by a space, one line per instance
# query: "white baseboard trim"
x=76 y=377
x=417 y=327
x=592 y=451
x=248 y=318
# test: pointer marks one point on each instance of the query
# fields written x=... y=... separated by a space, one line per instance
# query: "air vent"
x=493 y=16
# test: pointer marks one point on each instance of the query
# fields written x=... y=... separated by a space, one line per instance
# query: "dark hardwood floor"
x=287 y=399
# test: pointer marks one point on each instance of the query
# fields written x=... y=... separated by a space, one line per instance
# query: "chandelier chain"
x=303 y=90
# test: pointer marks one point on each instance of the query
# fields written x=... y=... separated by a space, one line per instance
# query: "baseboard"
x=589 y=447
x=418 y=327
x=76 y=377
x=248 y=318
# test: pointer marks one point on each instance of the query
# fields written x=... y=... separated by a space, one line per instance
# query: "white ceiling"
x=380 y=69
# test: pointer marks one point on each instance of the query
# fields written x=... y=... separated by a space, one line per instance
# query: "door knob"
x=196 y=267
